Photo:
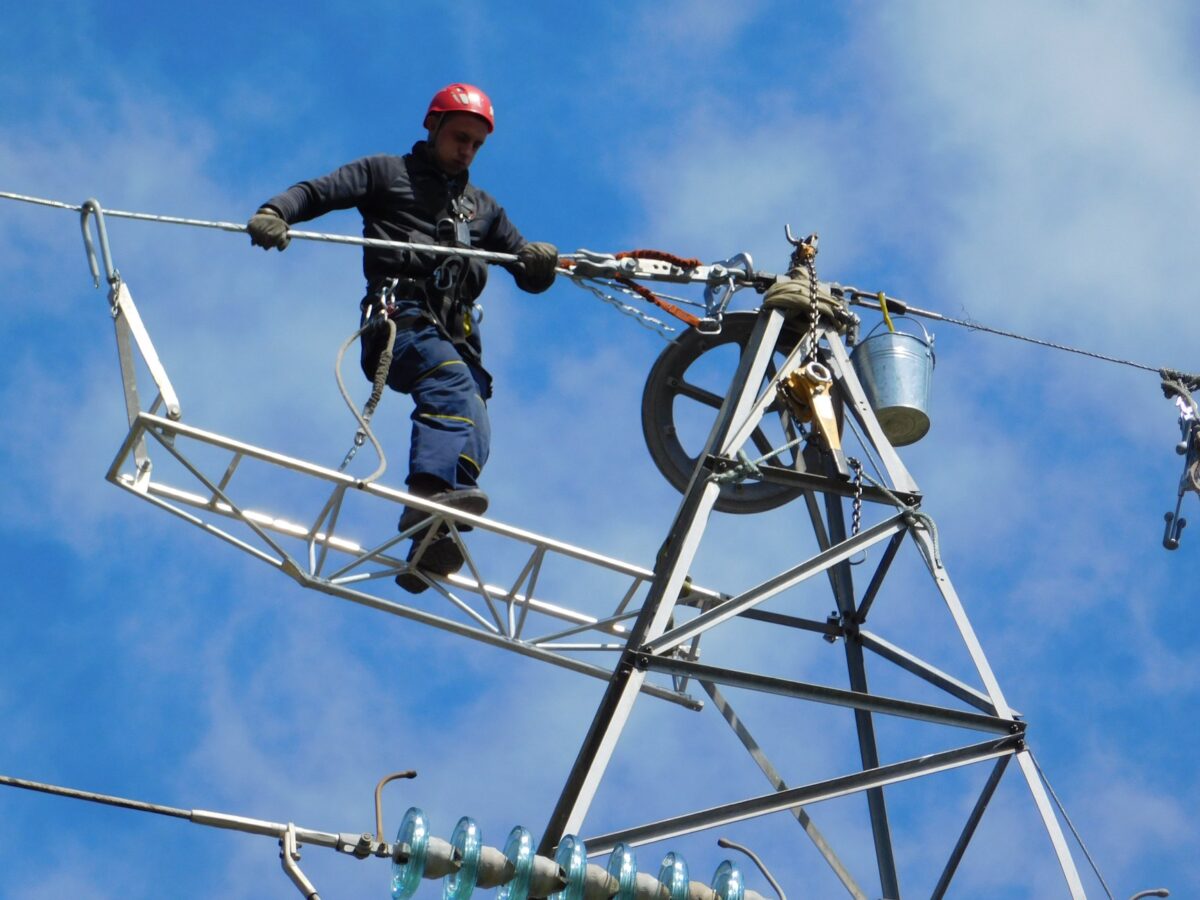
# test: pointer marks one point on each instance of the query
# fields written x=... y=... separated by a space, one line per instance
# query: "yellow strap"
x=446 y=418
x=428 y=372
x=882 y=298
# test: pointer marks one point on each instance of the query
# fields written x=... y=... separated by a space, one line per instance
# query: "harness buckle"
x=452 y=233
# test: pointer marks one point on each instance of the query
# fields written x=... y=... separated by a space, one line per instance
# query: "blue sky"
x=1029 y=165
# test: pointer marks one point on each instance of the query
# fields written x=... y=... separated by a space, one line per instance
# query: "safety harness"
x=441 y=292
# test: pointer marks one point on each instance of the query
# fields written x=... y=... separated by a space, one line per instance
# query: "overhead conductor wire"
x=871 y=300
x=885 y=304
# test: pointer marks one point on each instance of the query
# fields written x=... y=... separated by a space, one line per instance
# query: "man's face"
x=457 y=141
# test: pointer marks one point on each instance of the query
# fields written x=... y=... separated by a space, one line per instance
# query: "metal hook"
x=90 y=207
x=804 y=254
x=810 y=241
x=411 y=773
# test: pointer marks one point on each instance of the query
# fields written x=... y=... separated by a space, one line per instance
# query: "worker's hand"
x=267 y=229
x=537 y=262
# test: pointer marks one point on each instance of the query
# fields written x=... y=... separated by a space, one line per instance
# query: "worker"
x=426 y=197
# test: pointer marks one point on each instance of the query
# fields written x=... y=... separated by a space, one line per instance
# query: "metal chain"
x=659 y=327
x=856 y=522
x=813 y=310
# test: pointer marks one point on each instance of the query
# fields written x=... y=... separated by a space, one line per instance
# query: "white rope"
x=364 y=418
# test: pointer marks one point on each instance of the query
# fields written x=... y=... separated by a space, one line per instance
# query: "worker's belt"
x=392 y=291
x=447 y=313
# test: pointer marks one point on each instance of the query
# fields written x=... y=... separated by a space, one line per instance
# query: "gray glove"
x=536 y=263
x=267 y=229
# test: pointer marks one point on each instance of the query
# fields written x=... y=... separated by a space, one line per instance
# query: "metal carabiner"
x=445 y=276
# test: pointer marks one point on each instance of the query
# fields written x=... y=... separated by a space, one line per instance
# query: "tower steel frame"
x=640 y=631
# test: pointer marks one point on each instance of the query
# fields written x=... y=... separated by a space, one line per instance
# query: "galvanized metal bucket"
x=896 y=369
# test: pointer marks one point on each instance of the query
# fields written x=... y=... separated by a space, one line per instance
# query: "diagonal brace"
x=727 y=609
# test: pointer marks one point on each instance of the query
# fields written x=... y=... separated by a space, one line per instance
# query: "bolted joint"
x=834 y=620
x=719 y=464
x=362 y=849
x=359 y=846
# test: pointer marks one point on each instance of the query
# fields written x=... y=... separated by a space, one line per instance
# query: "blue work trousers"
x=451 y=434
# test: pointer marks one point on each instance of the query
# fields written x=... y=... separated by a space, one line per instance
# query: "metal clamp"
x=723 y=279
x=590 y=264
x=807 y=391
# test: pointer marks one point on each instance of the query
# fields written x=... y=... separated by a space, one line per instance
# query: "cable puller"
x=805 y=380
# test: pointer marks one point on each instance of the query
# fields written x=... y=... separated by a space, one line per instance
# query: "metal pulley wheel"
x=683 y=393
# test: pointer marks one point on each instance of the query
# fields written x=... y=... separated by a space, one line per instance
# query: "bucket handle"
x=928 y=336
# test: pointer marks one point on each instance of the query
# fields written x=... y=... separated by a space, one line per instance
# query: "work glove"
x=536 y=263
x=267 y=229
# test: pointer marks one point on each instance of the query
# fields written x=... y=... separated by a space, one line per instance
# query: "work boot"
x=469 y=500
x=442 y=556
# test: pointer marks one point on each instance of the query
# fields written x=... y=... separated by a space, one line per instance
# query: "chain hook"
x=806 y=247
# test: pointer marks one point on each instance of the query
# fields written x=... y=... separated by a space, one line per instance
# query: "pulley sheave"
x=682 y=389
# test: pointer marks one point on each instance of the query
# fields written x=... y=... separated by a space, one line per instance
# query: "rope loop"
x=377 y=386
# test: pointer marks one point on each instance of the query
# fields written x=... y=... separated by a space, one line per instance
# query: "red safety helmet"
x=463 y=98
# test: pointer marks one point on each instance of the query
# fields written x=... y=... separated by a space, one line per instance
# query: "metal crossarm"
x=501 y=616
